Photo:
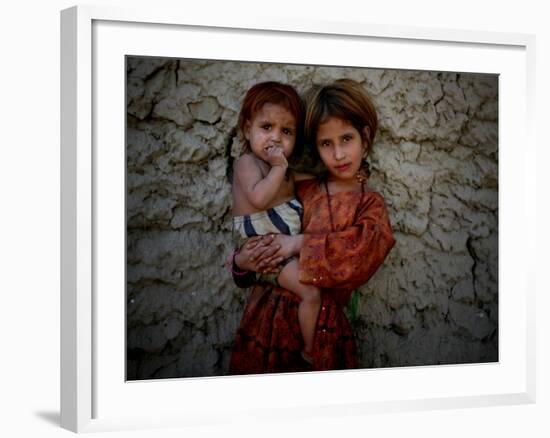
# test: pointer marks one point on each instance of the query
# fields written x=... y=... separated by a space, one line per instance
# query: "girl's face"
x=341 y=148
x=272 y=126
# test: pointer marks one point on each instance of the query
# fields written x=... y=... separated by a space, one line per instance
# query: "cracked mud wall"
x=435 y=161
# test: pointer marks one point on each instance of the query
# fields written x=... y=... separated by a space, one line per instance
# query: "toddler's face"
x=272 y=126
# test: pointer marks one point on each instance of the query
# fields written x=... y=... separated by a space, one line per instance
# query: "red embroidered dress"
x=269 y=338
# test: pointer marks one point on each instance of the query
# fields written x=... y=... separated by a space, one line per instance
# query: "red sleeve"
x=347 y=259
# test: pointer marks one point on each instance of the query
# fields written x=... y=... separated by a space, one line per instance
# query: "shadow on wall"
x=435 y=161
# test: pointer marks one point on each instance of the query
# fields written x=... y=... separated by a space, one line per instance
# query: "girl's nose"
x=276 y=135
x=338 y=152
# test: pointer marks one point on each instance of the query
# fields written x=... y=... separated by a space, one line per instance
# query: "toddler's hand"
x=276 y=156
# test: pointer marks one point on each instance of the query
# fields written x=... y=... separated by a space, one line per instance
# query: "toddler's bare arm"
x=259 y=191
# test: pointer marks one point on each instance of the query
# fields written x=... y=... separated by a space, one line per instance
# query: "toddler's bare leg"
x=308 y=310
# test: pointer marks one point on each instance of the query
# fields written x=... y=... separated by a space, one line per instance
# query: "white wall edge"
x=323 y=411
x=182 y=16
x=76 y=237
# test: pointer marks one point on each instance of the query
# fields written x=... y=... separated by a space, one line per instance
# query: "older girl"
x=346 y=237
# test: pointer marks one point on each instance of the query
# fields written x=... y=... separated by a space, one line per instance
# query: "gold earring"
x=364 y=171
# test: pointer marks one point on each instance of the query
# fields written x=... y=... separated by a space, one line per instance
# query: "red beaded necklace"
x=325 y=181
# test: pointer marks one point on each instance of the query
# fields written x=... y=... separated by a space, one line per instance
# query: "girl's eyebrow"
x=287 y=124
x=350 y=132
x=343 y=134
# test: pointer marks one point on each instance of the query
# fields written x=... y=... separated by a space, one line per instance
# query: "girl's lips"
x=343 y=167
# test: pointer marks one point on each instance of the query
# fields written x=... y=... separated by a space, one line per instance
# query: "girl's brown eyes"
x=344 y=139
x=285 y=131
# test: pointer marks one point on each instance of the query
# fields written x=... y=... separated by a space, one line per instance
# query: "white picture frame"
x=94 y=397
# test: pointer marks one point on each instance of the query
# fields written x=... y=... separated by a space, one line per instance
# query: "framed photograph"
x=150 y=108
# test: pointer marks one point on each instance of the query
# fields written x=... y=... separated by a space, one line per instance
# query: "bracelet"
x=232 y=266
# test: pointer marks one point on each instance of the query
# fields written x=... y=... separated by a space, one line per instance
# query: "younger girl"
x=263 y=186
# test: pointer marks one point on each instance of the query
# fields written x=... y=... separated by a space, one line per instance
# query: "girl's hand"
x=281 y=247
x=256 y=250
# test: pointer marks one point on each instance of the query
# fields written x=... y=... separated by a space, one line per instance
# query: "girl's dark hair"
x=344 y=99
x=274 y=93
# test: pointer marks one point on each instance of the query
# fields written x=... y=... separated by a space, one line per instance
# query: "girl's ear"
x=247 y=130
